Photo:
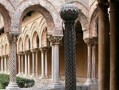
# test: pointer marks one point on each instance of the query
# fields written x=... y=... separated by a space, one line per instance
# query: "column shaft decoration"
x=13 y=47
x=69 y=14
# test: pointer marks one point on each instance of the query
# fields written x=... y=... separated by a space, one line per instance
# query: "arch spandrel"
x=46 y=9
x=83 y=14
x=6 y=17
x=93 y=24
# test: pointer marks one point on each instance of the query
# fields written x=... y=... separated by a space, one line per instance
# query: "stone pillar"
x=33 y=62
x=36 y=63
x=89 y=43
x=13 y=46
x=69 y=14
x=19 y=65
x=46 y=65
x=42 y=63
x=94 y=62
x=103 y=42
x=22 y=63
x=26 y=64
x=55 y=41
x=5 y=64
x=8 y=66
x=114 y=45
x=1 y=64
x=29 y=63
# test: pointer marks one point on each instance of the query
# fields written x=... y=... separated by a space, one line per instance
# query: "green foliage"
x=22 y=82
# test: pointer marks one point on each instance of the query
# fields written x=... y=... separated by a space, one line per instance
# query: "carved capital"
x=12 y=38
x=54 y=40
x=43 y=49
x=69 y=12
x=89 y=41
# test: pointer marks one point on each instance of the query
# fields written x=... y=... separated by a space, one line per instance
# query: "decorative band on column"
x=13 y=46
x=69 y=14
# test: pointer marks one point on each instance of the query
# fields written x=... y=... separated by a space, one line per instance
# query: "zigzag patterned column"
x=69 y=14
x=13 y=45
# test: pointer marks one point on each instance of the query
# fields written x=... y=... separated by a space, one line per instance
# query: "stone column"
x=114 y=44
x=19 y=65
x=33 y=62
x=94 y=62
x=22 y=63
x=26 y=64
x=69 y=14
x=36 y=63
x=103 y=42
x=55 y=41
x=29 y=63
x=46 y=64
x=5 y=64
x=13 y=46
x=1 y=64
x=8 y=67
x=42 y=63
x=89 y=43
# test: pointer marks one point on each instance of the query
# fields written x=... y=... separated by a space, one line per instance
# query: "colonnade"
x=91 y=61
x=4 y=66
x=28 y=63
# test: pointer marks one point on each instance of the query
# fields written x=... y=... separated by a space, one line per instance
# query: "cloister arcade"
x=32 y=42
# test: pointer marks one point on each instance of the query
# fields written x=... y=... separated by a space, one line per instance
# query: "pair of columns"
x=27 y=64
x=44 y=63
x=4 y=64
x=26 y=70
x=91 y=70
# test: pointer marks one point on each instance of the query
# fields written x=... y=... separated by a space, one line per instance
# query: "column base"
x=95 y=82
x=42 y=77
x=12 y=86
x=88 y=82
x=32 y=76
x=56 y=86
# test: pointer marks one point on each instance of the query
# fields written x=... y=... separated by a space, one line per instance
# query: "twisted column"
x=69 y=14
x=103 y=47
x=55 y=41
x=114 y=45
x=13 y=46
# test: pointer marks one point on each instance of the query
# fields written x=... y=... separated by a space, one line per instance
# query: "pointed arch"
x=35 y=40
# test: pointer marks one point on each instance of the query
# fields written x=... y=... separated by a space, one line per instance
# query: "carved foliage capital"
x=12 y=38
x=91 y=41
x=54 y=39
